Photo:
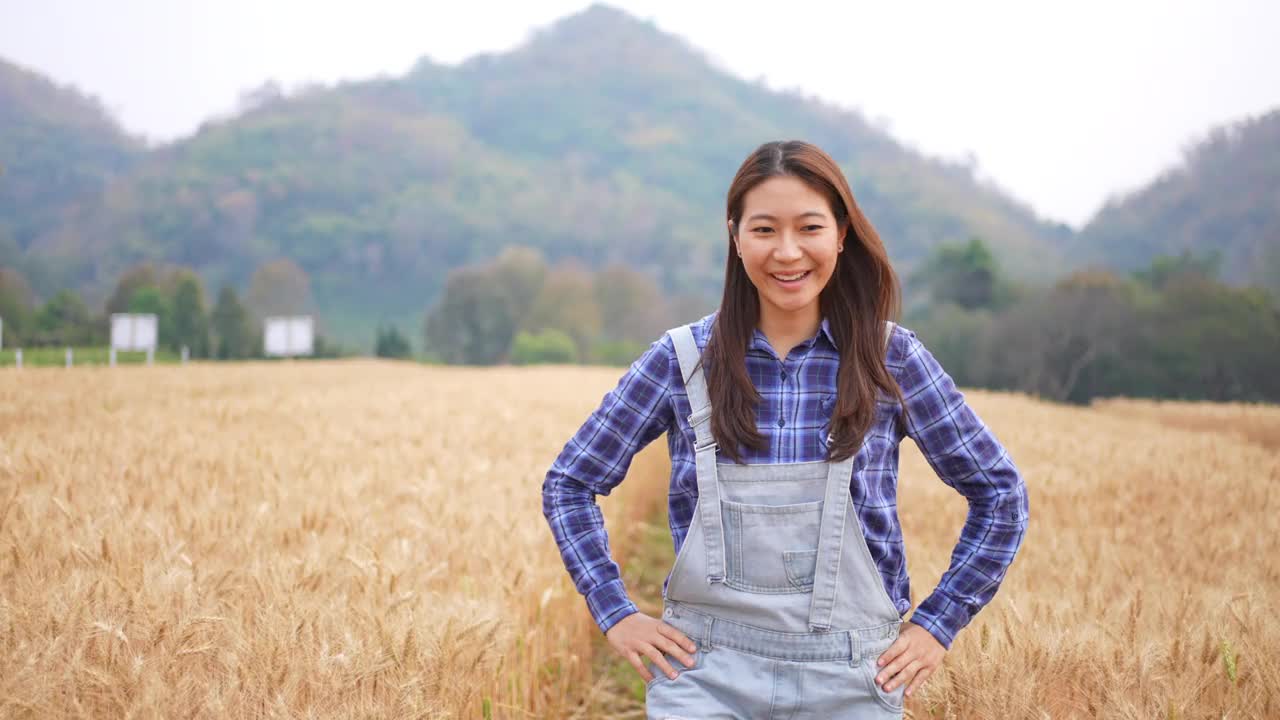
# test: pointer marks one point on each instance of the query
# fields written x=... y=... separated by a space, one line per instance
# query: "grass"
x=57 y=357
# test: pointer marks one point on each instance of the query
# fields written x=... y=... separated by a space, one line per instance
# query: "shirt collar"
x=759 y=341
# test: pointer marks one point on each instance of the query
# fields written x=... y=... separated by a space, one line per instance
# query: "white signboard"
x=283 y=336
x=133 y=331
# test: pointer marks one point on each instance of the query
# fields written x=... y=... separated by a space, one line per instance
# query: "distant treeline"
x=1172 y=330
x=230 y=329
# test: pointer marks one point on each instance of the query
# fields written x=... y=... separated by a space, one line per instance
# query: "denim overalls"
x=776 y=586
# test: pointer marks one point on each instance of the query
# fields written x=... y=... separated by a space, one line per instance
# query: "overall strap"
x=708 y=506
x=831 y=529
x=835 y=515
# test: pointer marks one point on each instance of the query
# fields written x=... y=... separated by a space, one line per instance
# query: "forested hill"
x=57 y=147
x=601 y=137
x=1224 y=196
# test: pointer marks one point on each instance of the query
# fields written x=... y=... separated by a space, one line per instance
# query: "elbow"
x=561 y=492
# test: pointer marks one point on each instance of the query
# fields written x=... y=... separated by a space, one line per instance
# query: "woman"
x=783 y=411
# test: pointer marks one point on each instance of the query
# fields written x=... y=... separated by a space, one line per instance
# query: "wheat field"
x=364 y=539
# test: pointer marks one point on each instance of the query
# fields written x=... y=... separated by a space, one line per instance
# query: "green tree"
x=15 y=306
x=150 y=300
x=548 y=346
x=64 y=320
x=1165 y=269
x=131 y=280
x=190 y=323
x=965 y=274
x=230 y=321
x=567 y=302
x=390 y=343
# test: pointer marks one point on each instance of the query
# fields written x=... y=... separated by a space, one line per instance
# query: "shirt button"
x=667 y=612
x=781 y=422
x=783 y=374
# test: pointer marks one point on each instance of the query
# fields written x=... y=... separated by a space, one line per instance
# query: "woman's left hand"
x=911 y=658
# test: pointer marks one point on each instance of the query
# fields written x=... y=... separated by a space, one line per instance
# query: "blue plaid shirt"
x=798 y=394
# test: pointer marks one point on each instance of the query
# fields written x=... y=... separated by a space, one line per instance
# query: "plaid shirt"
x=798 y=394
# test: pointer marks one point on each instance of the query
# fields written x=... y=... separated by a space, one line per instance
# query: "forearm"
x=577 y=524
x=991 y=537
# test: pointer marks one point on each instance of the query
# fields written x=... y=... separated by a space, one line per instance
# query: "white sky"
x=1061 y=104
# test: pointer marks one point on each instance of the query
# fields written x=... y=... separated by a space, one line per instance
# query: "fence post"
x=18 y=357
x=68 y=356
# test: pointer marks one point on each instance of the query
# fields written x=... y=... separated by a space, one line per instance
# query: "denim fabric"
x=739 y=673
x=787 y=610
x=798 y=394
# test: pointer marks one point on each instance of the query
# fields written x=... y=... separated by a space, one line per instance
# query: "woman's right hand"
x=638 y=636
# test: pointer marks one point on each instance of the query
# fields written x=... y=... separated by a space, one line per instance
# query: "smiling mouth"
x=793 y=277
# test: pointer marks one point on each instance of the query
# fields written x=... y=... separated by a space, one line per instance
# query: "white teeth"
x=797 y=276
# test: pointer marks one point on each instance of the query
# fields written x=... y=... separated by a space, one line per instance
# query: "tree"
x=279 y=287
x=64 y=320
x=519 y=272
x=149 y=300
x=473 y=322
x=190 y=324
x=15 y=306
x=133 y=279
x=964 y=274
x=390 y=343
x=632 y=306
x=567 y=302
x=1165 y=269
x=230 y=320
x=548 y=346
x=1058 y=346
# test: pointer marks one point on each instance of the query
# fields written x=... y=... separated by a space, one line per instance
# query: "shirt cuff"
x=609 y=603
x=942 y=616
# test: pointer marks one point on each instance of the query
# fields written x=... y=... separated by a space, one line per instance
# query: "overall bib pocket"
x=771 y=548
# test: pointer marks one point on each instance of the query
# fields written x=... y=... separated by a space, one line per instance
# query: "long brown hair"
x=861 y=295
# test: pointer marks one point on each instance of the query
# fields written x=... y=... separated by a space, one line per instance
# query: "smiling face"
x=788 y=230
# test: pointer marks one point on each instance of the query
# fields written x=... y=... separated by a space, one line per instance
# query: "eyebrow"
x=767 y=216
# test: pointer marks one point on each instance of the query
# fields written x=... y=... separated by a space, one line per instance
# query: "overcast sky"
x=1061 y=104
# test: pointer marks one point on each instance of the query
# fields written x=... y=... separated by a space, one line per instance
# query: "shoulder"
x=661 y=358
x=901 y=348
x=700 y=329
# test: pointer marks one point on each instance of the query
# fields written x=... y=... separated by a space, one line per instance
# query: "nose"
x=788 y=247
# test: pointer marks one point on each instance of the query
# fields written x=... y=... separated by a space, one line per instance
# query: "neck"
x=790 y=325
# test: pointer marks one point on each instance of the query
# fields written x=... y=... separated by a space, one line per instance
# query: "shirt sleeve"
x=592 y=463
x=966 y=455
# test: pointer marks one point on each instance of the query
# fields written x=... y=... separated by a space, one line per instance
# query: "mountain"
x=57 y=147
x=1224 y=197
x=600 y=138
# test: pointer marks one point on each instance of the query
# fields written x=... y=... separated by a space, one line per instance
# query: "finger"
x=661 y=661
x=894 y=667
x=674 y=633
x=903 y=677
x=669 y=647
x=893 y=651
x=919 y=680
x=638 y=664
